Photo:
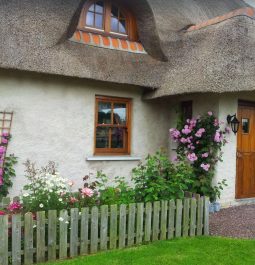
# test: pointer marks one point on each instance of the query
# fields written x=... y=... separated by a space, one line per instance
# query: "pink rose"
x=87 y=192
x=205 y=155
x=218 y=137
x=71 y=183
x=73 y=200
x=2 y=213
x=174 y=134
x=183 y=140
x=205 y=167
x=5 y=134
x=186 y=130
x=210 y=113
x=192 y=157
x=227 y=130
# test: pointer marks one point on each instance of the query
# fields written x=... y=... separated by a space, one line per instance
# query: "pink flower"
x=210 y=113
x=218 y=137
x=174 y=134
x=15 y=206
x=192 y=157
x=216 y=123
x=186 y=130
x=200 y=132
x=4 y=141
x=2 y=150
x=2 y=213
x=205 y=155
x=5 y=134
x=205 y=167
x=87 y=192
x=1 y=176
x=73 y=200
x=175 y=159
x=183 y=140
x=227 y=130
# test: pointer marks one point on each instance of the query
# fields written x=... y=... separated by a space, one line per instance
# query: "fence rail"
x=49 y=236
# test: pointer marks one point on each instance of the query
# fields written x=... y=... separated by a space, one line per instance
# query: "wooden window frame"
x=113 y=151
x=131 y=25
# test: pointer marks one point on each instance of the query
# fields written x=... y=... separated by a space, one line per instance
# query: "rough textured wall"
x=54 y=120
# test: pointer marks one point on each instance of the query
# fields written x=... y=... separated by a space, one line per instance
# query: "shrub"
x=200 y=140
x=160 y=179
x=46 y=189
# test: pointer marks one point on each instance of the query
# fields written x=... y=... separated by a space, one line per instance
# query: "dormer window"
x=109 y=19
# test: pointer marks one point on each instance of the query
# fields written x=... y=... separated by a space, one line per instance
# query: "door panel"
x=245 y=184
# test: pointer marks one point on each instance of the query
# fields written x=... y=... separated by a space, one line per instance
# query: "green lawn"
x=195 y=251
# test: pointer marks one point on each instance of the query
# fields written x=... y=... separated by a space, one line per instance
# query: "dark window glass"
x=102 y=137
x=187 y=110
x=245 y=125
x=104 y=113
x=95 y=15
x=117 y=138
x=120 y=113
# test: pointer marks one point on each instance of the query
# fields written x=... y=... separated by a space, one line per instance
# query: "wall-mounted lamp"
x=234 y=122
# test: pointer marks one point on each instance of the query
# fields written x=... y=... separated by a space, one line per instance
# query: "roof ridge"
x=246 y=11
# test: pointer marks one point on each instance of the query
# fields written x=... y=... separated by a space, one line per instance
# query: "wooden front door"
x=245 y=185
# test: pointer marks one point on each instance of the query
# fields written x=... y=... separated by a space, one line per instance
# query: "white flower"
x=61 y=219
x=25 y=195
x=60 y=199
x=79 y=213
x=41 y=205
x=67 y=222
x=34 y=226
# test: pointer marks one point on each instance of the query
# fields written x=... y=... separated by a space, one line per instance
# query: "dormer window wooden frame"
x=108 y=18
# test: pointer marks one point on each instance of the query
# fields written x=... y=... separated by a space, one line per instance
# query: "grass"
x=194 y=251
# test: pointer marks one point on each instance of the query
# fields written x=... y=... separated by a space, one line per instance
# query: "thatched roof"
x=219 y=57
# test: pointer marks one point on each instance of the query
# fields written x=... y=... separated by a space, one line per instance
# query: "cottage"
x=94 y=85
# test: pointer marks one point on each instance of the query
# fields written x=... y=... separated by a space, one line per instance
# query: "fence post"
x=163 y=221
x=63 y=225
x=84 y=231
x=94 y=230
x=40 y=237
x=148 y=218
x=178 y=223
x=4 y=240
x=103 y=227
x=193 y=213
x=131 y=224
x=28 y=239
x=206 y=216
x=186 y=218
x=52 y=235
x=139 y=223
x=155 y=223
x=74 y=233
x=113 y=226
x=16 y=239
x=171 y=219
x=200 y=214
x=122 y=226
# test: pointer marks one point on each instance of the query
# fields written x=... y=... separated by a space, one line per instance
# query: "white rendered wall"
x=54 y=120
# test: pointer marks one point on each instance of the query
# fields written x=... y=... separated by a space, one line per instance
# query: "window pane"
x=104 y=113
x=245 y=125
x=99 y=21
x=114 y=24
x=100 y=7
x=102 y=137
x=92 y=8
x=122 y=26
x=120 y=113
x=118 y=138
x=115 y=11
x=90 y=19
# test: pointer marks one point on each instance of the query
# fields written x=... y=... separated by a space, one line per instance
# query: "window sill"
x=113 y=158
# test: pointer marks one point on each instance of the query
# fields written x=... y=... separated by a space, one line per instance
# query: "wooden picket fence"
x=49 y=236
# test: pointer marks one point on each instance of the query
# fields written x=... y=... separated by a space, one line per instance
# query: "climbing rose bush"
x=200 y=140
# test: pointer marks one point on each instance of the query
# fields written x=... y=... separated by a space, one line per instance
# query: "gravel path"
x=237 y=222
